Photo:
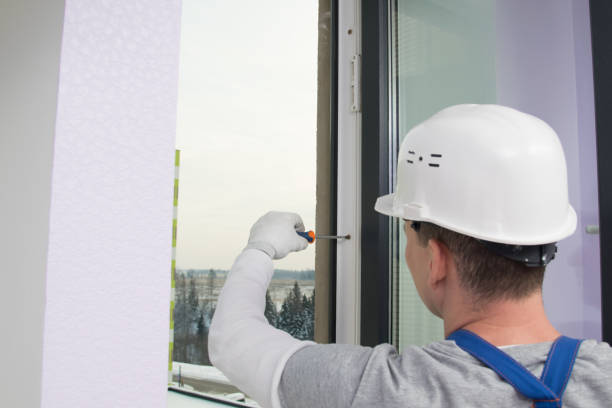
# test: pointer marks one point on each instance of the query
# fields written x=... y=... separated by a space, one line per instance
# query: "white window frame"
x=348 y=272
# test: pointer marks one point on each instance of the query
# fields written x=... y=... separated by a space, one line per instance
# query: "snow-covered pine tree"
x=271 y=313
x=307 y=332
x=291 y=316
x=193 y=306
x=201 y=328
x=210 y=284
x=181 y=324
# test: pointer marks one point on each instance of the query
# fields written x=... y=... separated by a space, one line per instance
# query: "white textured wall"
x=108 y=275
x=30 y=41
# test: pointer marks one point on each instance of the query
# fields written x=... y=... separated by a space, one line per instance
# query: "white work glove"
x=275 y=234
x=241 y=342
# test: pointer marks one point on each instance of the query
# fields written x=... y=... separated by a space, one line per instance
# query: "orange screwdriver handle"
x=308 y=235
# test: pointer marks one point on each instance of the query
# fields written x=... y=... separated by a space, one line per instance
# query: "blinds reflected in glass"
x=442 y=53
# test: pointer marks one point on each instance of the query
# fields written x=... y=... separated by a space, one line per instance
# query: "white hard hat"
x=486 y=171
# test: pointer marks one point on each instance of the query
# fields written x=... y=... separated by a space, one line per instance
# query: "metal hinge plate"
x=356 y=83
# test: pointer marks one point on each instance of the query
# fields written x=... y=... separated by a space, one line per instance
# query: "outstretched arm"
x=241 y=343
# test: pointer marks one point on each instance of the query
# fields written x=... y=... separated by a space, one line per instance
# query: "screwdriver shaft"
x=348 y=236
x=310 y=236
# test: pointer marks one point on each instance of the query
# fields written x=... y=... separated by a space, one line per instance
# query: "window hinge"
x=356 y=83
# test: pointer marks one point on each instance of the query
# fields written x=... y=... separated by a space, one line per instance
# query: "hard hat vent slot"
x=435 y=155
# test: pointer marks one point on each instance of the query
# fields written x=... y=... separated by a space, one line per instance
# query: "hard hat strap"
x=529 y=255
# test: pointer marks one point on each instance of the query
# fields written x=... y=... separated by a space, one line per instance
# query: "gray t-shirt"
x=438 y=375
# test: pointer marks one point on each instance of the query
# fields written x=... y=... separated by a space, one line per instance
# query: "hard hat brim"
x=384 y=205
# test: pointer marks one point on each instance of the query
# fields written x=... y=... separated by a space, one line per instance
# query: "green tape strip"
x=176 y=190
x=172 y=315
x=177 y=162
x=174 y=225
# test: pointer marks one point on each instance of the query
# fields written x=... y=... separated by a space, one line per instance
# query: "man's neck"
x=505 y=322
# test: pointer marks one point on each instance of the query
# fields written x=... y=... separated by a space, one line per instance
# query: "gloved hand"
x=275 y=234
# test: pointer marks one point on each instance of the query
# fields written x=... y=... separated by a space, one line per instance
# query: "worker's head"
x=484 y=190
x=436 y=255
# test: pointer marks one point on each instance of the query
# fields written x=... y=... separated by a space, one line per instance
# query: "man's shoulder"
x=596 y=354
x=596 y=345
x=592 y=352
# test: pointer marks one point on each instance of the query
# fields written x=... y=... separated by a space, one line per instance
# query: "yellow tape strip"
x=177 y=162
x=172 y=314
x=171 y=347
x=174 y=225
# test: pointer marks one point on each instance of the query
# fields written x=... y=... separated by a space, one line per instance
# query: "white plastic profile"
x=348 y=280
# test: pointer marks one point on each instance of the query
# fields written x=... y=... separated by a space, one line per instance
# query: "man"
x=482 y=191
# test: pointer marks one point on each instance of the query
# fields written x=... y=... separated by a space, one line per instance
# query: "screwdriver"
x=310 y=236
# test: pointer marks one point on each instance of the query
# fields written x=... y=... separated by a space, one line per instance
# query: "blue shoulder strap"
x=545 y=392
x=560 y=363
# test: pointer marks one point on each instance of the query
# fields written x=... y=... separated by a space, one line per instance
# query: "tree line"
x=296 y=316
x=193 y=314
x=192 y=318
x=307 y=274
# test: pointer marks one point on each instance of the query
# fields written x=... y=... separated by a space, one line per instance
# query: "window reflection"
x=443 y=54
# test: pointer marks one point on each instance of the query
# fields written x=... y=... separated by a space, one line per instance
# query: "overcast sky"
x=246 y=124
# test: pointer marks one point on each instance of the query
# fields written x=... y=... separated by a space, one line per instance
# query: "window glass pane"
x=443 y=53
x=531 y=56
x=246 y=135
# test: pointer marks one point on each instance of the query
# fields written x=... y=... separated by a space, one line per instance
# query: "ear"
x=439 y=261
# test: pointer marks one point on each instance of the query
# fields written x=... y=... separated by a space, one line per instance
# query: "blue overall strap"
x=557 y=369
x=559 y=364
